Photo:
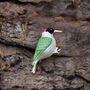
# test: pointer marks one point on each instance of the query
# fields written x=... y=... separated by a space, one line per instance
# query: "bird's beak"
x=57 y=31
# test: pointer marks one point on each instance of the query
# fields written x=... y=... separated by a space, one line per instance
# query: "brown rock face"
x=21 y=25
x=36 y=1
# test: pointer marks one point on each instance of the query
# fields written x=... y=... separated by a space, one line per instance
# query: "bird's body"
x=46 y=46
x=51 y=48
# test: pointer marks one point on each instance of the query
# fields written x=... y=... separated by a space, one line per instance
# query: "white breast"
x=50 y=50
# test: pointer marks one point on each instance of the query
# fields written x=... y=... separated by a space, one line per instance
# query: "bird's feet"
x=57 y=50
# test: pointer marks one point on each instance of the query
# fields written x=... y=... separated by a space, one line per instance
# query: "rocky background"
x=21 y=24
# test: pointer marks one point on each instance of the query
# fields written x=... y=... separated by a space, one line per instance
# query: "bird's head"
x=51 y=30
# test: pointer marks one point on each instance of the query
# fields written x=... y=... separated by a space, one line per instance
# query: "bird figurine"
x=46 y=46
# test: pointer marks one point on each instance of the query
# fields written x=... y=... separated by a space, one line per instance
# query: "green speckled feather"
x=42 y=44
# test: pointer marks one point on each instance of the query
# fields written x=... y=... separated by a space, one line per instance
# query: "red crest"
x=44 y=29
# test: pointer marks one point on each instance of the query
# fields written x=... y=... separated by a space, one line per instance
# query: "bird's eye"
x=51 y=29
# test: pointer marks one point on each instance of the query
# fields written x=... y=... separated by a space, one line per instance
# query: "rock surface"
x=21 y=24
x=36 y=1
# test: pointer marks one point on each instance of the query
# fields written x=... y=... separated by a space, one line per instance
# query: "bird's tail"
x=34 y=66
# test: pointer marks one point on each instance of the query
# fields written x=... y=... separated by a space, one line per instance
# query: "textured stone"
x=83 y=68
x=74 y=41
x=77 y=83
x=76 y=9
x=21 y=25
x=36 y=1
x=8 y=10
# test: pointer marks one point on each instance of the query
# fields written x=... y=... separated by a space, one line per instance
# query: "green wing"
x=42 y=44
